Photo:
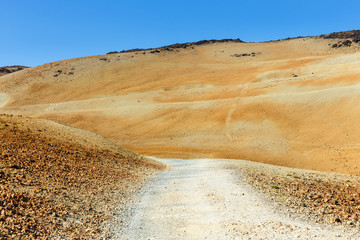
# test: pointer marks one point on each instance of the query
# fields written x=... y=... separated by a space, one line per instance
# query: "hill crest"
x=10 y=69
x=263 y=102
x=353 y=34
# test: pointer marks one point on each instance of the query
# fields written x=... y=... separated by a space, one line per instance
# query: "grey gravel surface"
x=204 y=199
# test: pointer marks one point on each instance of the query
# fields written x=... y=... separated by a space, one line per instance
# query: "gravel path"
x=202 y=199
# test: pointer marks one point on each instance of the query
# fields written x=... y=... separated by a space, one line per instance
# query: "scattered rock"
x=112 y=52
x=353 y=35
x=56 y=189
x=245 y=54
x=347 y=43
x=322 y=200
x=178 y=46
x=10 y=69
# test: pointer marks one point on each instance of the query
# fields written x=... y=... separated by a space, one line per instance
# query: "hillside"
x=57 y=181
x=10 y=69
x=289 y=102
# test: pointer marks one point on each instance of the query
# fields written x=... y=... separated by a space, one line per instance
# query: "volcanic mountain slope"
x=289 y=102
x=10 y=69
x=57 y=181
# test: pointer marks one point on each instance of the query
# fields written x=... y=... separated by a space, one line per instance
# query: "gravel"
x=212 y=199
x=51 y=188
x=323 y=197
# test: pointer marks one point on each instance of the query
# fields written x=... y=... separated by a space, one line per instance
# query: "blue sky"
x=37 y=32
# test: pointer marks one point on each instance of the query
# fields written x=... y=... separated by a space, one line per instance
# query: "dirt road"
x=204 y=199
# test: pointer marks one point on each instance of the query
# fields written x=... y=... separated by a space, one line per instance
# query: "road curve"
x=204 y=199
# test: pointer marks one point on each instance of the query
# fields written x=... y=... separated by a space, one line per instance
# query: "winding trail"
x=4 y=98
x=205 y=199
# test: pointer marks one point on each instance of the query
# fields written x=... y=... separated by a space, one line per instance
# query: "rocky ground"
x=51 y=188
x=354 y=35
x=324 y=197
x=10 y=69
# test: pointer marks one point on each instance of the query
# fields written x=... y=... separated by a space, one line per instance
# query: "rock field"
x=53 y=189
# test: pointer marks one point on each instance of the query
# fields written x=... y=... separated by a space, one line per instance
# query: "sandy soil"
x=210 y=199
x=291 y=103
x=3 y=99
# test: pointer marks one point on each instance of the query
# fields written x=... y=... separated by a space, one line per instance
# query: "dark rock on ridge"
x=354 y=35
x=178 y=46
x=10 y=69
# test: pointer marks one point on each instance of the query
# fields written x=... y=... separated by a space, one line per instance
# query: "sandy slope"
x=203 y=199
x=3 y=99
x=294 y=103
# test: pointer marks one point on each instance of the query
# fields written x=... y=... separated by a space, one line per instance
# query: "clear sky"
x=37 y=32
